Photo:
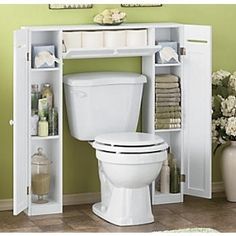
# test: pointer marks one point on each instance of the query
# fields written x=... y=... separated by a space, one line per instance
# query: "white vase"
x=228 y=165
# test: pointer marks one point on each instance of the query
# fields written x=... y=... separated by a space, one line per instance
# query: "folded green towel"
x=165 y=104
x=167 y=85
x=166 y=78
x=160 y=99
x=167 y=95
x=171 y=90
x=168 y=108
x=176 y=114
x=167 y=126
x=168 y=121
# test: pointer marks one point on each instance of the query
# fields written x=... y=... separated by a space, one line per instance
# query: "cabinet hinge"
x=182 y=51
x=182 y=178
x=27 y=56
x=27 y=190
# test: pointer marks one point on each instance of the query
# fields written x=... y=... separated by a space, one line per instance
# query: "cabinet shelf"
x=109 y=52
x=164 y=198
x=166 y=65
x=45 y=69
x=45 y=138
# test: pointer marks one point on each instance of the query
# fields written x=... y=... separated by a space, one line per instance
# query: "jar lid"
x=39 y=158
x=47 y=85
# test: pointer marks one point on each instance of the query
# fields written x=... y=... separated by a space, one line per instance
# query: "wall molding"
x=68 y=199
x=218 y=187
x=88 y=198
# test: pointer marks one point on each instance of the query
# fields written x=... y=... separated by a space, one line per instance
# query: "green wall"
x=80 y=166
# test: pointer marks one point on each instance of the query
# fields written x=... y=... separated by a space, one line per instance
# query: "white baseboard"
x=88 y=198
x=68 y=199
x=218 y=187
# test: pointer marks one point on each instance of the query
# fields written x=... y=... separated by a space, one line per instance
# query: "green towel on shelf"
x=160 y=99
x=168 y=121
x=171 y=90
x=167 y=85
x=166 y=78
x=176 y=114
x=167 y=108
x=167 y=126
x=167 y=95
x=165 y=104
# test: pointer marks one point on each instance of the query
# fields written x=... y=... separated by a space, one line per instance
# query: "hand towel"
x=171 y=90
x=160 y=99
x=168 y=121
x=167 y=85
x=167 y=126
x=167 y=108
x=166 y=104
x=176 y=114
x=167 y=95
x=166 y=78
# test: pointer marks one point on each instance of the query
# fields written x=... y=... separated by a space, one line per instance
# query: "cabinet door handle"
x=11 y=122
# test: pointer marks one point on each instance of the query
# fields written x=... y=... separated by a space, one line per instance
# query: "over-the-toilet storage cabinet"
x=191 y=144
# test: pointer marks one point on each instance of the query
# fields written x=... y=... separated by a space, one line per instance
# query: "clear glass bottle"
x=34 y=123
x=53 y=122
x=165 y=178
x=40 y=179
x=174 y=177
x=43 y=127
x=35 y=96
x=48 y=93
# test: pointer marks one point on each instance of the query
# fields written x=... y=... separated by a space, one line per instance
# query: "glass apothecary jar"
x=40 y=179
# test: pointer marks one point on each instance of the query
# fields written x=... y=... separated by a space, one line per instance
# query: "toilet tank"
x=102 y=102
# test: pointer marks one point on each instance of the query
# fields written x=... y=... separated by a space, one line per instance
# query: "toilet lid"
x=131 y=142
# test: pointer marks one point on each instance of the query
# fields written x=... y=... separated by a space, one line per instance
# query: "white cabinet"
x=26 y=145
x=191 y=143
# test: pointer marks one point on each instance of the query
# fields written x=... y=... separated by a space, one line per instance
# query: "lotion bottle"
x=165 y=178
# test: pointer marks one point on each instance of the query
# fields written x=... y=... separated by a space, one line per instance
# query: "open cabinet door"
x=21 y=122
x=197 y=110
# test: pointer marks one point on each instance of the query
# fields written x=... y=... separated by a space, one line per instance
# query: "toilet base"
x=126 y=207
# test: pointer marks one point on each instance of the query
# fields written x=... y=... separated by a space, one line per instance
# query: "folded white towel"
x=168 y=121
x=167 y=85
x=167 y=95
x=167 y=126
x=166 y=78
x=166 y=104
x=160 y=99
x=171 y=90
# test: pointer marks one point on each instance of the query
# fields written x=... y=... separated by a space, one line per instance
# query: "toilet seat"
x=130 y=143
x=130 y=148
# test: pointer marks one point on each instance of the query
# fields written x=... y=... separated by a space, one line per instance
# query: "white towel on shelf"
x=167 y=95
x=170 y=90
x=167 y=85
x=166 y=99
x=168 y=121
x=168 y=108
x=165 y=104
x=166 y=78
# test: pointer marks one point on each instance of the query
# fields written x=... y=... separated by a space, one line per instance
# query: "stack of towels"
x=168 y=99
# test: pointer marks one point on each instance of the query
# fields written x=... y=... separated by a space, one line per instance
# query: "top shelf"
x=107 y=52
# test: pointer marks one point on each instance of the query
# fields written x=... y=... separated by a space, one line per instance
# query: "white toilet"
x=103 y=107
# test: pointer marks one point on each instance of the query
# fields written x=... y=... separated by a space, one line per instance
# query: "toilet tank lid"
x=103 y=78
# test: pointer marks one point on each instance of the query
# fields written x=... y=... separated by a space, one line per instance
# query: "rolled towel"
x=167 y=85
x=166 y=104
x=167 y=126
x=166 y=78
x=176 y=114
x=168 y=121
x=160 y=99
x=171 y=90
x=167 y=95
x=167 y=108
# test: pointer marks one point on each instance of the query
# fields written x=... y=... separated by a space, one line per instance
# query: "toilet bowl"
x=128 y=163
x=103 y=108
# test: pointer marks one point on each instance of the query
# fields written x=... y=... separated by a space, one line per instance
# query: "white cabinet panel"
x=21 y=116
x=197 y=110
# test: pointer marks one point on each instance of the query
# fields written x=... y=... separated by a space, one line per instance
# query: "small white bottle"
x=165 y=178
x=43 y=127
